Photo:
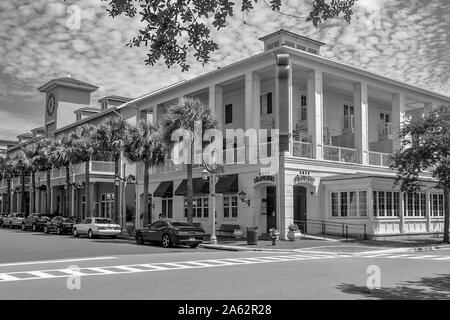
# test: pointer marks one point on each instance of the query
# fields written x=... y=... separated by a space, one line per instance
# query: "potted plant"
x=238 y=233
x=293 y=232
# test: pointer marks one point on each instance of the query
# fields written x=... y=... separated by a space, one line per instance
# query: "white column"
x=252 y=96
x=216 y=101
x=398 y=116
x=283 y=101
x=361 y=121
x=315 y=111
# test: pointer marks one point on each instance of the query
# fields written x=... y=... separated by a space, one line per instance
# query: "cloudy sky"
x=408 y=40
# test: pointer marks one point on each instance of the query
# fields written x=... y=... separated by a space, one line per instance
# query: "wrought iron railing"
x=340 y=154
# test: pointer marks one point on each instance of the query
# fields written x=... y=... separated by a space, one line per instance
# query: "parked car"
x=13 y=220
x=94 y=227
x=35 y=221
x=170 y=233
x=60 y=225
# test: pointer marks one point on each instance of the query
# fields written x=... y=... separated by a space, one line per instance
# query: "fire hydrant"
x=273 y=234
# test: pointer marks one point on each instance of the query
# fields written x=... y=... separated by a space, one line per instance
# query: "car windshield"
x=45 y=217
x=21 y=215
x=103 y=221
x=66 y=219
x=181 y=224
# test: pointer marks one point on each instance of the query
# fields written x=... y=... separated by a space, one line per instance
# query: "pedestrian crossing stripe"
x=148 y=267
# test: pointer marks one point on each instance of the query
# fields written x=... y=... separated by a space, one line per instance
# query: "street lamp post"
x=212 y=172
x=117 y=180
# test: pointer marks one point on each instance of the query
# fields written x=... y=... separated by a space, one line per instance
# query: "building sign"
x=259 y=179
x=305 y=177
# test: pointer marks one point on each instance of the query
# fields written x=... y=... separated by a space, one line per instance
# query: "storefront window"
x=200 y=207
x=349 y=204
x=386 y=204
x=230 y=208
x=437 y=205
x=415 y=205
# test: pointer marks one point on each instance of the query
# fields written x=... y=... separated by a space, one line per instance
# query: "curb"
x=393 y=250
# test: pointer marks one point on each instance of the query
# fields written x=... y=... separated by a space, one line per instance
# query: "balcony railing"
x=17 y=181
x=339 y=154
x=380 y=159
x=302 y=149
x=102 y=167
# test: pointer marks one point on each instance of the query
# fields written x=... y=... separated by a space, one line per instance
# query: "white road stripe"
x=423 y=257
x=128 y=269
x=102 y=271
x=178 y=265
x=442 y=258
x=7 y=277
x=54 y=261
x=42 y=275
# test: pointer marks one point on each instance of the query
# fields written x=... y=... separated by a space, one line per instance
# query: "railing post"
x=339 y=154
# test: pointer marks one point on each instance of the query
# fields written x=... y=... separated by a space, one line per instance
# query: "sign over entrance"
x=259 y=179
x=305 y=177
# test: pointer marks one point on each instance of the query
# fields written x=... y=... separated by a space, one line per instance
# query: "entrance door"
x=300 y=207
x=271 y=208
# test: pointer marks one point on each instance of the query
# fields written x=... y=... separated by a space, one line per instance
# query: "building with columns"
x=329 y=160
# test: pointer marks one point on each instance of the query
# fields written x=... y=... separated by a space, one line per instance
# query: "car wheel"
x=75 y=233
x=90 y=234
x=33 y=227
x=139 y=238
x=166 y=243
x=45 y=229
x=193 y=245
x=23 y=227
x=10 y=225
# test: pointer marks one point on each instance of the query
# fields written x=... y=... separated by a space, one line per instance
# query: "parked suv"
x=13 y=220
x=35 y=221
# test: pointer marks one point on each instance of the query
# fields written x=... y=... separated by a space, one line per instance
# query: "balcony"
x=348 y=124
x=380 y=159
x=302 y=149
x=339 y=154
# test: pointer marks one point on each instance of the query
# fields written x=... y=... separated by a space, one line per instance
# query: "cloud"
x=44 y=39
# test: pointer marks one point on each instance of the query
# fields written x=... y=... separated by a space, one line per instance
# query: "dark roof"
x=292 y=34
x=67 y=82
x=25 y=135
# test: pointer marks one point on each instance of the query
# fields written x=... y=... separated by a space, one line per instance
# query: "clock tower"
x=62 y=97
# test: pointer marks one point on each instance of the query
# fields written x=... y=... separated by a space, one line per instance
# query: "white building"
x=338 y=128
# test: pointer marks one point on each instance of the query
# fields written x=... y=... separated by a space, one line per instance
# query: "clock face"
x=51 y=104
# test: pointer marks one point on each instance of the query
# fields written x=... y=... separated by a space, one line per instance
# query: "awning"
x=227 y=184
x=165 y=189
x=200 y=187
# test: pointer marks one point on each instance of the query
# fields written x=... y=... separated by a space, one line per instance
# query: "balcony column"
x=252 y=96
x=398 y=116
x=315 y=111
x=283 y=101
x=361 y=121
x=215 y=102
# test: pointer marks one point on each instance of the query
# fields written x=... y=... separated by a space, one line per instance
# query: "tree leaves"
x=169 y=23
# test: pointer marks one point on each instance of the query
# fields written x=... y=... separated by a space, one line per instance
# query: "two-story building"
x=329 y=160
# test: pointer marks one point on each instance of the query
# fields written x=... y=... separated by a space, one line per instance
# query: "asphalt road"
x=183 y=273
x=17 y=246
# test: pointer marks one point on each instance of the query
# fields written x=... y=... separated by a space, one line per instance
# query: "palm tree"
x=45 y=160
x=83 y=150
x=183 y=116
x=6 y=170
x=144 y=144
x=31 y=152
x=22 y=165
x=108 y=139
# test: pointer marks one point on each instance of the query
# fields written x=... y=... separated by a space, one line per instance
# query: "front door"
x=300 y=207
x=271 y=208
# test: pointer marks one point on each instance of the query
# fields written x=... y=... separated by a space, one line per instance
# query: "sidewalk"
x=419 y=243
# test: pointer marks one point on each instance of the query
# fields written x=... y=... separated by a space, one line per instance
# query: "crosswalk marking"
x=167 y=266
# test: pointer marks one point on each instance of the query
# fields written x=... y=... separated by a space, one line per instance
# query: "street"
x=39 y=266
